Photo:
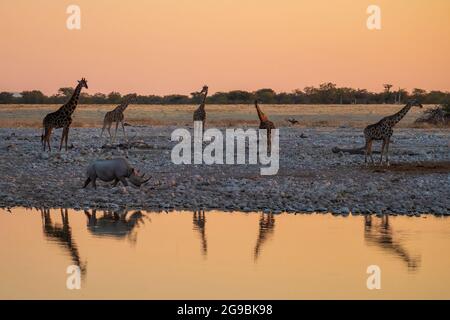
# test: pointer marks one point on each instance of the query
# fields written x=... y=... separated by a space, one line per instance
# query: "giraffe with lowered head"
x=62 y=118
x=265 y=123
x=116 y=116
x=383 y=130
x=200 y=113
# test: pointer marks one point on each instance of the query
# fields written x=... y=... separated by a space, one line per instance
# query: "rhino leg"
x=124 y=181
x=86 y=183
x=116 y=181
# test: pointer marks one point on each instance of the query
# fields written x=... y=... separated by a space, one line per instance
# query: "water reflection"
x=199 y=222
x=168 y=260
x=61 y=234
x=266 y=229
x=115 y=224
x=382 y=235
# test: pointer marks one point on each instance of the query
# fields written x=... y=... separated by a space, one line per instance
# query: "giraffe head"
x=415 y=103
x=83 y=83
x=204 y=89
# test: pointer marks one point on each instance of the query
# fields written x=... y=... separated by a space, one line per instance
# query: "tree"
x=66 y=92
x=238 y=96
x=6 y=97
x=33 y=97
x=387 y=92
x=114 y=98
x=266 y=95
x=418 y=93
x=219 y=98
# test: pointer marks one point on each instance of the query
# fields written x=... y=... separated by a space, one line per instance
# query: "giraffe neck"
x=395 y=118
x=204 y=100
x=72 y=104
x=261 y=115
x=122 y=107
x=204 y=96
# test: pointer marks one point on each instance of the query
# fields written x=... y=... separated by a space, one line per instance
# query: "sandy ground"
x=13 y=116
x=311 y=177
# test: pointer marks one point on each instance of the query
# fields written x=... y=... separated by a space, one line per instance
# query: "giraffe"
x=265 y=123
x=61 y=118
x=383 y=236
x=383 y=130
x=62 y=236
x=199 y=222
x=266 y=229
x=200 y=113
x=116 y=116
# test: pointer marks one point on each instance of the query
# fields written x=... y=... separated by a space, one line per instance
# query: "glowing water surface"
x=187 y=255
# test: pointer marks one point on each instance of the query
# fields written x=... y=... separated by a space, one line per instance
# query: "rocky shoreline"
x=311 y=177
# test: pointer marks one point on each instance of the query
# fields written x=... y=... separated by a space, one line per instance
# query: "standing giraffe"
x=116 y=116
x=61 y=118
x=265 y=123
x=383 y=130
x=200 y=113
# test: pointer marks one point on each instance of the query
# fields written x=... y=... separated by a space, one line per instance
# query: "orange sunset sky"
x=176 y=46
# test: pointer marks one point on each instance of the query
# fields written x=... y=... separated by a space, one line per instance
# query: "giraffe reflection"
x=61 y=234
x=199 y=222
x=382 y=235
x=266 y=228
x=115 y=224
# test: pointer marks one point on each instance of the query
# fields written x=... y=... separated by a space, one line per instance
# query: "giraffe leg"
x=109 y=131
x=103 y=129
x=62 y=138
x=387 y=152
x=44 y=141
x=67 y=137
x=124 y=133
x=115 y=133
x=368 y=149
x=382 y=151
x=48 y=134
x=269 y=141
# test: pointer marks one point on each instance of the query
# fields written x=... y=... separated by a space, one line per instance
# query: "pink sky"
x=176 y=46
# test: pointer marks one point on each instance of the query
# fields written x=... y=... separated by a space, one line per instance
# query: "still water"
x=217 y=255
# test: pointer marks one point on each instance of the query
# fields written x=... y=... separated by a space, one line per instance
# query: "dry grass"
x=217 y=115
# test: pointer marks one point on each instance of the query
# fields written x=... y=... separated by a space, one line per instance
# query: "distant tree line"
x=326 y=93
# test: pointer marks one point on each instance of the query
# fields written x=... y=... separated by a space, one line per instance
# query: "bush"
x=439 y=115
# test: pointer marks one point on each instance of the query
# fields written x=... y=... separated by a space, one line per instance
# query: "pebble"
x=311 y=177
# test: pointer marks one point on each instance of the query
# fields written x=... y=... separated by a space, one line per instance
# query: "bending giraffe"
x=200 y=113
x=265 y=123
x=116 y=116
x=62 y=118
x=383 y=130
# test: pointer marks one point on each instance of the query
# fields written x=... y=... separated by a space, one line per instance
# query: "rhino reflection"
x=199 y=221
x=382 y=235
x=61 y=234
x=115 y=224
x=266 y=229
